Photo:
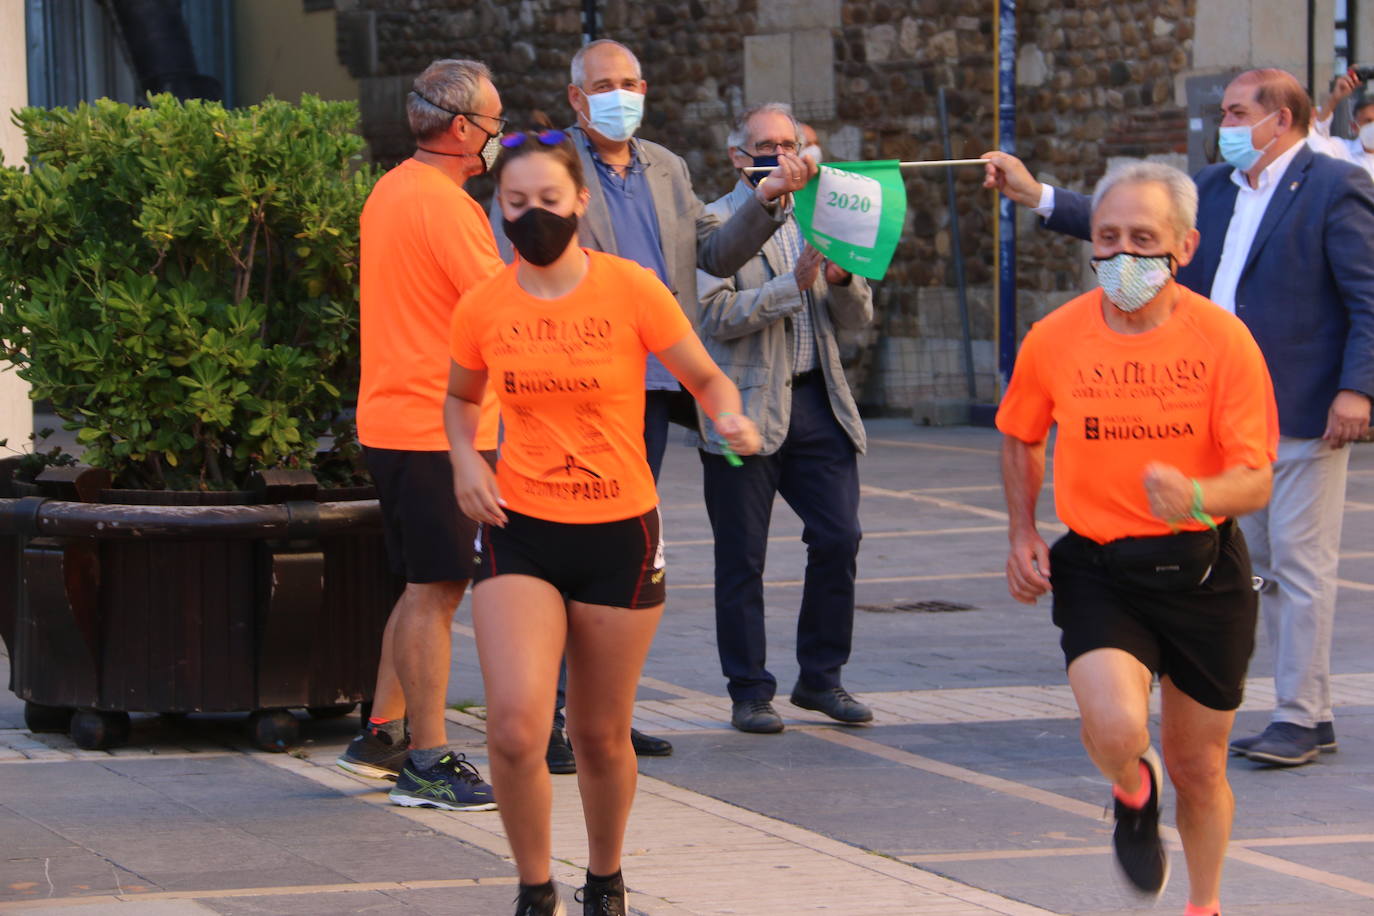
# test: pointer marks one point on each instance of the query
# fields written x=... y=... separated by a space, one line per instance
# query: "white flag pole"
x=925 y=164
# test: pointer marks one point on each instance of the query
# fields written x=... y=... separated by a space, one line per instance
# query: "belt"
x=810 y=375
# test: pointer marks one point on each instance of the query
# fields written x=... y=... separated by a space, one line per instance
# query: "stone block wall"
x=1095 y=81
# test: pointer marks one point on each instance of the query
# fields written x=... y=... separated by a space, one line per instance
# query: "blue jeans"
x=816 y=471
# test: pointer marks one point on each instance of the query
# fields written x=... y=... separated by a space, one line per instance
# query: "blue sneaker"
x=1285 y=744
x=452 y=784
x=1326 y=740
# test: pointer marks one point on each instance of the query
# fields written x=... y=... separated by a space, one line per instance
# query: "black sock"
x=544 y=890
x=603 y=879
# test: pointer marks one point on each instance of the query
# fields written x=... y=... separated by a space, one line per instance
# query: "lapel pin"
x=1293 y=186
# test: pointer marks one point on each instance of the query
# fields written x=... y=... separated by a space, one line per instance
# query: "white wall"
x=16 y=410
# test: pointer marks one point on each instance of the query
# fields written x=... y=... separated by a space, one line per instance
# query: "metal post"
x=1006 y=210
x=590 y=21
x=958 y=252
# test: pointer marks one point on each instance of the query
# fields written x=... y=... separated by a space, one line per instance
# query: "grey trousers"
x=1295 y=548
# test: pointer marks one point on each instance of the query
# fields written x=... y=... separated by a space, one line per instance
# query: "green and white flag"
x=853 y=213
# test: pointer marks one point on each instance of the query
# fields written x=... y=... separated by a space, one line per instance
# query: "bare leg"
x=389 y=700
x=606 y=651
x=1194 y=738
x=1113 y=692
x=521 y=625
x=421 y=646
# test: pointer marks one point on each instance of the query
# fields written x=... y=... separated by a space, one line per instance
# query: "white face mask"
x=1367 y=136
x=1132 y=281
x=615 y=115
x=813 y=151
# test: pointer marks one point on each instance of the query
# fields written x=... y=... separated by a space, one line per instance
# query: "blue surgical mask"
x=615 y=115
x=762 y=162
x=1237 y=146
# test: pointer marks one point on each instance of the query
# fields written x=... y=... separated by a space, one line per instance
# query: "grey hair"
x=740 y=132
x=445 y=87
x=577 y=71
x=1182 y=192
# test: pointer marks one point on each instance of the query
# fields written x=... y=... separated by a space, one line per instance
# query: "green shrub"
x=180 y=281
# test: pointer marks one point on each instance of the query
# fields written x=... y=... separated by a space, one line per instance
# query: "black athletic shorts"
x=1200 y=638
x=618 y=564
x=428 y=538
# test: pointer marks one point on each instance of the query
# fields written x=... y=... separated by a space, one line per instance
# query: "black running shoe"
x=538 y=900
x=452 y=784
x=375 y=755
x=1139 y=850
x=603 y=898
x=559 y=755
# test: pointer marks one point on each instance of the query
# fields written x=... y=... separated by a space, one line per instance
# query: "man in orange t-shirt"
x=425 y=243
x=1167 y=429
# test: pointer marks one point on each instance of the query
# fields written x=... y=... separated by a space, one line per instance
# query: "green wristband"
x=1197 y=506
x=729 y=454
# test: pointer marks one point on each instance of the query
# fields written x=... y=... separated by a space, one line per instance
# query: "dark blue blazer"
x=1307 y=289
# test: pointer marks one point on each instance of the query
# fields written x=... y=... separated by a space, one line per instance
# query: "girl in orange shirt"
x=571 y=553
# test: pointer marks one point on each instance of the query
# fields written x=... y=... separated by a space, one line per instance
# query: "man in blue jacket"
x=1288 y=246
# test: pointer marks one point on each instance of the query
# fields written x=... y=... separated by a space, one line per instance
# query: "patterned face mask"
x=1132 y=280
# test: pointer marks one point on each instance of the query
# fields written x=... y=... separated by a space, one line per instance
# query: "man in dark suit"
x=1288 y=246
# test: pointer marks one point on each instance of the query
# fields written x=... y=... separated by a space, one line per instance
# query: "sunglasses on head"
x=548 y=137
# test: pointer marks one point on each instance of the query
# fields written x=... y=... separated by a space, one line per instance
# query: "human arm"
x=728 y=312
x=792 y=174
x=726 y=245
x=1028 y=559
x=1009 y=175
x=849 y=298
x=1349 y=227
x=719 y=398
x=474 y=484
x=1238 y=490
x=1347 y=419
x=1069 y=212
x=1341 y=88
x=459 y=236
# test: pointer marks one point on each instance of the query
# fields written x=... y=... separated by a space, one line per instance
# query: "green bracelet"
x=729 y=454
x=1197 y=506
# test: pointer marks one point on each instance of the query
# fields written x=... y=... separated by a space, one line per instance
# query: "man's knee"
x=1115 y=739
x=432 y=599
x=1198 y=773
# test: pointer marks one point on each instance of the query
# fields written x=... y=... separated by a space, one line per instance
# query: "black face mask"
x=540 y=235
x=762 y=162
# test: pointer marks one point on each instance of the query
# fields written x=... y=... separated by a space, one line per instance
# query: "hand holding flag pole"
x=853 y=212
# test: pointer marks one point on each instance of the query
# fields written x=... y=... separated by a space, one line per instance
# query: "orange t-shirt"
x=569 y=373
x=424 y=242
x=1193 y=392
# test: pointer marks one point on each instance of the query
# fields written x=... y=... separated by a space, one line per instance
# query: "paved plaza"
x=970 y=793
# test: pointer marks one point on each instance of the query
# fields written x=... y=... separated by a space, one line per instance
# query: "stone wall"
x=1096 y=81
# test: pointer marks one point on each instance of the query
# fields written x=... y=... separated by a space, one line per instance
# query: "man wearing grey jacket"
x=771 y=328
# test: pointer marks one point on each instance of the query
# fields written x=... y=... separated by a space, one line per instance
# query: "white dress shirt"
x=1245 y=220
x=1352 y=151
x=1240 y=234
